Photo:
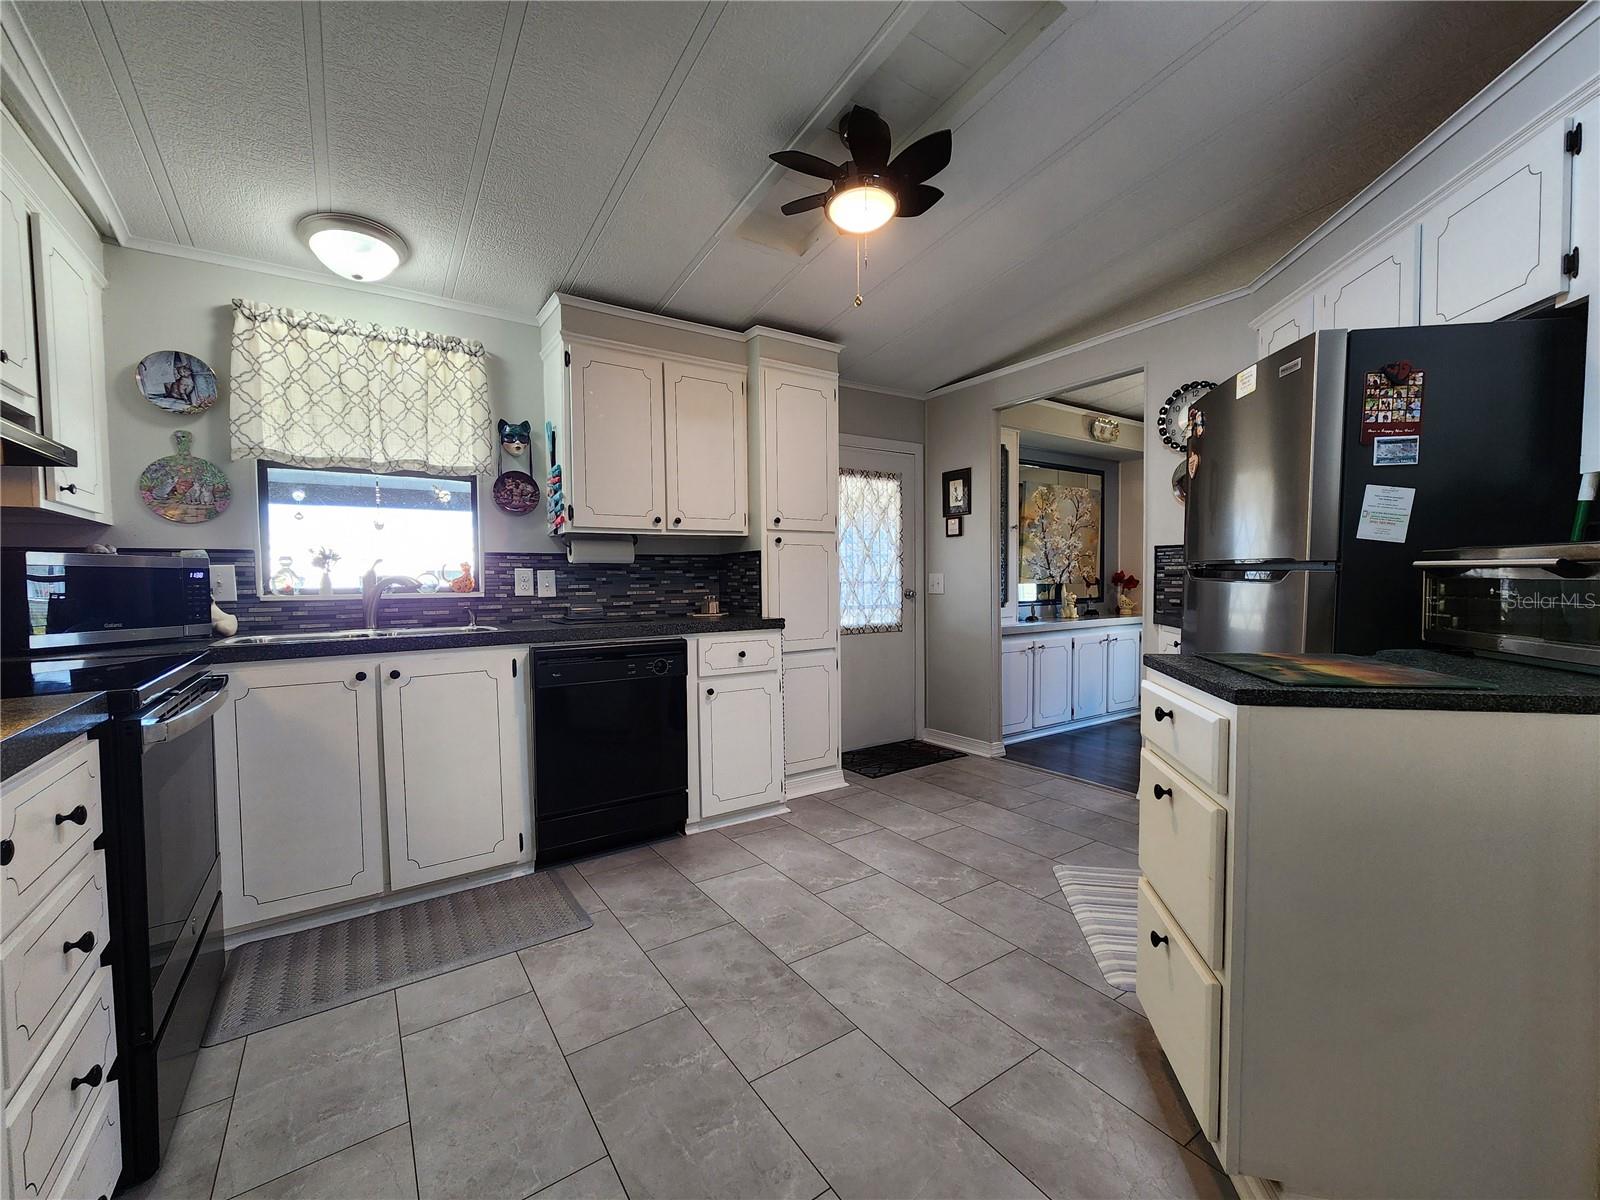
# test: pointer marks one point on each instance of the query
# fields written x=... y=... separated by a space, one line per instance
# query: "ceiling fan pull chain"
x=861 y=250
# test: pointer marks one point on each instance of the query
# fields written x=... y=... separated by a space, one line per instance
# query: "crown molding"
x=798 y=339
x=857 y=386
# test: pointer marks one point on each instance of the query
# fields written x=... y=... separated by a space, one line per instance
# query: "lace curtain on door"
x=311 y=391
x=871 y=552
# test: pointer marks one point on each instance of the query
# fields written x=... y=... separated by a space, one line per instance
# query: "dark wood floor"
x=1107 y=754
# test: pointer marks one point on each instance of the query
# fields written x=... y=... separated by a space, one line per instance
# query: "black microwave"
x=52 y=600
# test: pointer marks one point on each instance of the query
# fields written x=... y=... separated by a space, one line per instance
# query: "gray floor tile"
x=923 y=793
x=854 y=780
x=596 y=983
x=810 y=862
x=1082 y=821
x=782 y=915
x=931 y=936
x=905 y=819
x=1041 y=929
x=655 y=903
x=706 y=855
x=1098 y=854
x=759 y=1011
x=1027 y=832
x=759 y=825
x=189 y=1166
x=681 y=1121
x=1016 y=774
x=494 y=1109
x=984 y=787
x=877 y=1133
x=933 y=874
x=313 y=1087
x=216 y=1071
x=946 y=1041
x=1130 y=1001
x=1075 y=1141
x=597 y=1181
x=824 y=819
x=1087 y=795
x=580 y=889
x=456 y=993
x=629 y=857
x=378 y=1167
x=1020 y=868
x=1094 y=1035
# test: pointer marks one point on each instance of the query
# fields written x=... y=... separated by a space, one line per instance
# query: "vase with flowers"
x=1126 y=583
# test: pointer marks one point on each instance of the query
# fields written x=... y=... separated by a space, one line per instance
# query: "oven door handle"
x=213 y=691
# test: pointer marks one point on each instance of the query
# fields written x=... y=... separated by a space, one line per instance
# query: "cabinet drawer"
x=45 y=1114
x=49 y=815
x=1193 y=738
x=95 y=1161
x=1182 y=851
x=723 y=656
x=1184 y=1003
x=46 y=959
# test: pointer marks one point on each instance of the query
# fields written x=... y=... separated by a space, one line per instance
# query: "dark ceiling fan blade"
x=867 y=136
x=923 y=159
x=804 y=204
x=917 y=199
x=808 y=164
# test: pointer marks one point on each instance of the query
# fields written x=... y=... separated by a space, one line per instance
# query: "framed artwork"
x=952 y=527
x=1061 y=534
x=958 y=492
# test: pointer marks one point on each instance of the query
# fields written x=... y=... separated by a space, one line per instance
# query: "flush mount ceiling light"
x=355 y=247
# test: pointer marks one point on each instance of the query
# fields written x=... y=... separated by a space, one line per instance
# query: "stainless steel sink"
x=345 y=635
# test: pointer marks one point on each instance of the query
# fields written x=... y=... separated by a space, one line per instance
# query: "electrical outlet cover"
x=936 y=584
x=524 y=581
x=224 y=583
x=547 y=583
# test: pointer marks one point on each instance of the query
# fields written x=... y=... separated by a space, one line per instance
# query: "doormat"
x=280 y=979
x=893 y=757
x=1105 y=901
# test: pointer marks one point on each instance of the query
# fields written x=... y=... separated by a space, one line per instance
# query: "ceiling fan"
x=869 y=190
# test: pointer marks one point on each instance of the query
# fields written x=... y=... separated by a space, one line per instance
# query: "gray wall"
x=866 y=413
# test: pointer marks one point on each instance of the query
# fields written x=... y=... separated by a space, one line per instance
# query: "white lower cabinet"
x=1089 y=675
x=1056 y=680
x=736 y=695
x=811 y=718
x=1016 y=686
x=1052 y=682
x=1123 y=668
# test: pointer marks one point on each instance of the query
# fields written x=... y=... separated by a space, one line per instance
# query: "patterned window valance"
x=311 y=391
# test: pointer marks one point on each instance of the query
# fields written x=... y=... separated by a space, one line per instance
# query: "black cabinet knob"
x=85 y=943
x=361 y=676
x=777 y=541
x=4 y=357
x=1162 y=792
x=711 y=691
x=92 y=1077
x=8 y=851
x=777 y=520
x=677 y=520
x=1157 y=939
x=394 y=674
x=655 y=520
x=78 y=816
x=741 y=654
x=68 y=487
x=1163 y=714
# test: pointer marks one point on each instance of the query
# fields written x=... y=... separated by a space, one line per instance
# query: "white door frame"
x=913 y=545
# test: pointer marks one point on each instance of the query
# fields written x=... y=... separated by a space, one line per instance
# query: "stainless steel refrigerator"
x=1284 y=456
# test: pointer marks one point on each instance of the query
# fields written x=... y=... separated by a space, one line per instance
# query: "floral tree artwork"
x=1059 y=523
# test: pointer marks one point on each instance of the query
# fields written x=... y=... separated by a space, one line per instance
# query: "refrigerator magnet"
x=1391 y=403
x=1396 y=451
x=1385 y=513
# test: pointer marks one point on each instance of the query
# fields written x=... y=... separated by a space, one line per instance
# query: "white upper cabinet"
x=1584 y=126
x=19 y=359
x=706 y=452
x=617 y=476
x=455 y=732
x=1123 y=663
x=1287 y=323
x=1375 y=290
x=1088 y=675
x=1052 y=682
x=800 y=420
x=74 y=377
x=803 y=588
x=1493 y=246
x=741 y=743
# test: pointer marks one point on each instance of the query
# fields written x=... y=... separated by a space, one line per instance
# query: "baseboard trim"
x=1250 y=1187
x=967 y=745
x=827 y=780
x=738 y=818
x=1073 y=726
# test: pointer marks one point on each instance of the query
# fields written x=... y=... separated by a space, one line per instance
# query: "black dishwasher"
x=611 y=752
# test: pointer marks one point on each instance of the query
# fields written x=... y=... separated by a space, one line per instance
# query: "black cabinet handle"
x=92 y=1077
x=394 y=674
x=1157 y=939
x=711 y=691
x=1163 y=714
x=85 y=943
x=78 y=816
x=67 y=487
x=361 y=676
x=1162 y=792
x=8 y=851
x=4 y=357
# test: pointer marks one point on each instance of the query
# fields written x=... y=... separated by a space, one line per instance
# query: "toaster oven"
x=1536 y=602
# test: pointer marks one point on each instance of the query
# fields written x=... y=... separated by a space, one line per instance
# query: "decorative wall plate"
x=175 y=382
x=183 y=488
x=1172 y=422
x=516 y=492
x=1104 y=429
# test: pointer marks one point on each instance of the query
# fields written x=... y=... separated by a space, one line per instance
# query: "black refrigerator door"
x=1497 y=463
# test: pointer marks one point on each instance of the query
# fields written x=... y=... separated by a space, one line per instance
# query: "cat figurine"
x=514 y=438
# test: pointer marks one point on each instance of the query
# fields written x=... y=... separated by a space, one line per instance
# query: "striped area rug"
x=1105 y=900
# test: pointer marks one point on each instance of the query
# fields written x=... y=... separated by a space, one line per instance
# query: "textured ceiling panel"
x=223 y=86
x=960 y=32
x=583 y=84
x=1124 y=395
x=62 y=32
x=780 y=61
x=405 y=87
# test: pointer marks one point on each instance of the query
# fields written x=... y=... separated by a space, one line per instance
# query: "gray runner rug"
x=1105 y=901
x=279 y=979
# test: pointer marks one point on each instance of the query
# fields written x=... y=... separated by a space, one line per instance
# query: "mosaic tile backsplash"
x=658 y=585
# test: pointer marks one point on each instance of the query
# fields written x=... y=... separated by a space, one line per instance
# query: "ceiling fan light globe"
x=861 y=208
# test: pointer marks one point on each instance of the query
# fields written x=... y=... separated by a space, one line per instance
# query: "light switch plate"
x=547 y=583
x=935 y=584
x=224 y=583
x=524 y=581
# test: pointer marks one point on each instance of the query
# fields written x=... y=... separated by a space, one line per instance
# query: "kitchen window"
x=322 y=528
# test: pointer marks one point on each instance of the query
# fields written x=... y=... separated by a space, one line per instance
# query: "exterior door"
x=707 y=476
x=618 y=464
x=1088 y=675
x=1122 y=669
x=800 y=422
x=1052 y=683
x=802 y=588
x=741 y=743
x=1016 y=686
x=879 y=622
x=455 y=774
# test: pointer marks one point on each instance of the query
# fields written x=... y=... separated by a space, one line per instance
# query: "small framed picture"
x=952 y=527
x=958 y=493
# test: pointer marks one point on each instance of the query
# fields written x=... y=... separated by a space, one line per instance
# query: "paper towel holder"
x=616 y=550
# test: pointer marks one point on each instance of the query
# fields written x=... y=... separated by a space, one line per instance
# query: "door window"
x=871 y=551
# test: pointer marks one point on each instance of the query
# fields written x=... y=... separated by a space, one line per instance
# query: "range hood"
x=22 y=447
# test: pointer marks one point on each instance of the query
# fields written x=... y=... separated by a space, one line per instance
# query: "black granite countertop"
x=32 y=727
x=1516 y=688
x=527 y=633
